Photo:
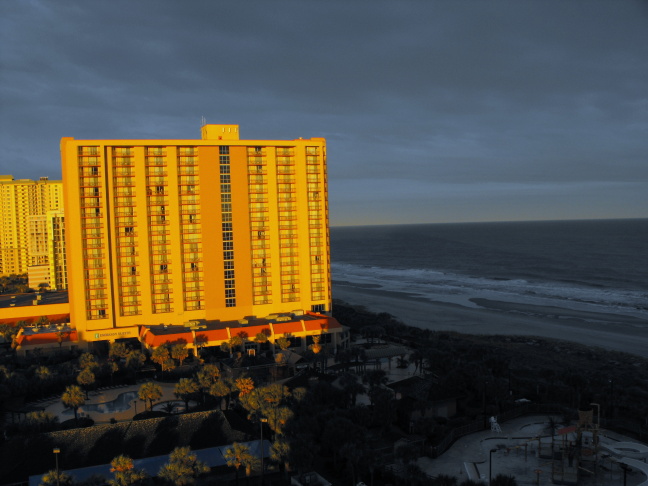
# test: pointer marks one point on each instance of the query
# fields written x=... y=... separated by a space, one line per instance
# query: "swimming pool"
x=119 y=404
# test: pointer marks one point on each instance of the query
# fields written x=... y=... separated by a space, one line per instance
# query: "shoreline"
x=608 y=331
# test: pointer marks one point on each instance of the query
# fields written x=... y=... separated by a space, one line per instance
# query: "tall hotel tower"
x=170 y=231
x=23 y=224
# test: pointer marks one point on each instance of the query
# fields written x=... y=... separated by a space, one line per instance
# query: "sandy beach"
x=609 y=331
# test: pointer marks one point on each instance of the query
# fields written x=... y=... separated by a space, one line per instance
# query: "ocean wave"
x=458 y=288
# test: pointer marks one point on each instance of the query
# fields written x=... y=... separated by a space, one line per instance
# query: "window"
x=230 y=293
x=225 y=179
x=229 y=264
x=227 y=226
x=228 y=255
x=226 y=207
x=230 y=302
x=224 y=169
x=228 y=245
x=226 y=198
x=318 y=308
x=223 y=149
x=229 y=284
x=129 y=230
x=163 y=268
x=228 y=236
x=226 y=188
x=229 y=274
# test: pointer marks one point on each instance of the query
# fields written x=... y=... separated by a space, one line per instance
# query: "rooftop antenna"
x=203 y=121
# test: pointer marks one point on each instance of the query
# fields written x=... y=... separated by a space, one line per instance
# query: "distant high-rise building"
x=55 y=221
x=170 y=231
x=23 y=229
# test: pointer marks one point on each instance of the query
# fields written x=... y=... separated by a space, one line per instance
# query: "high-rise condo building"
x=173 y=231
x=23 y=225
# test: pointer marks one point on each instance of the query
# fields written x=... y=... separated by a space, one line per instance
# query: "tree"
x=239 y=455
x=135 y=359
x=43 y=373
x=184 y=389
x=73 y=397
x=200 y=341
x=244 y=385
x=220 y=389
x=56 y=478
x=235 y=342
x=351 y=387
x=162 y=356
x=280 y=453
x=118 y=351
x=124 y=471
x=43 y=321
x=206 y=377
x=283 y=342
x=86 y=379
x=149 y=391
x=316 y=347
x=89 y=361
x=183 y=467
x=41 y=421
x=180 y=352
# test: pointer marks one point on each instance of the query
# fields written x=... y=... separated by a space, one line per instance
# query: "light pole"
x=490 y=465
x=56 y=452
x=262 y=421
x=135 y=403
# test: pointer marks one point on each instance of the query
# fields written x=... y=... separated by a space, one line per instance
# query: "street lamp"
x=135 y=403
x=56 y=452
x=262 y=421
x=490 y=465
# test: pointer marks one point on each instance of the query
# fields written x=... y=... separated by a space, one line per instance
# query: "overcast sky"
x=433 y=111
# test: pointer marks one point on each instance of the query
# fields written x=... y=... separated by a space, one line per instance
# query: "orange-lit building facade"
x=173 y=231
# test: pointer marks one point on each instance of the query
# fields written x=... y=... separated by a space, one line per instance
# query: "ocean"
x=591 y=265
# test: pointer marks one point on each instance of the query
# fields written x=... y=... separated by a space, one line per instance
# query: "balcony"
x=132 y=312
x=162 y=281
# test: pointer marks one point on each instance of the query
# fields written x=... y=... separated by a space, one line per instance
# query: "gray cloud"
x=477 y=97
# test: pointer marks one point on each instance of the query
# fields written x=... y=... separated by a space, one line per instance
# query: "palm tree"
x=43 y=373
x=244 y=385
x=283 y=342
x=280 y=453
x=183 y=390
x=162 y=356
x=125 y=473
x=135 y=359
x=206 y=377
x=220 y=389
x=149 y=391
x=73 y=397
x=183 y=467
x=56 y=478
x=88 y=360
x=86 y=379
x=180 y=352
x=200 y=341
x=239 y=455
